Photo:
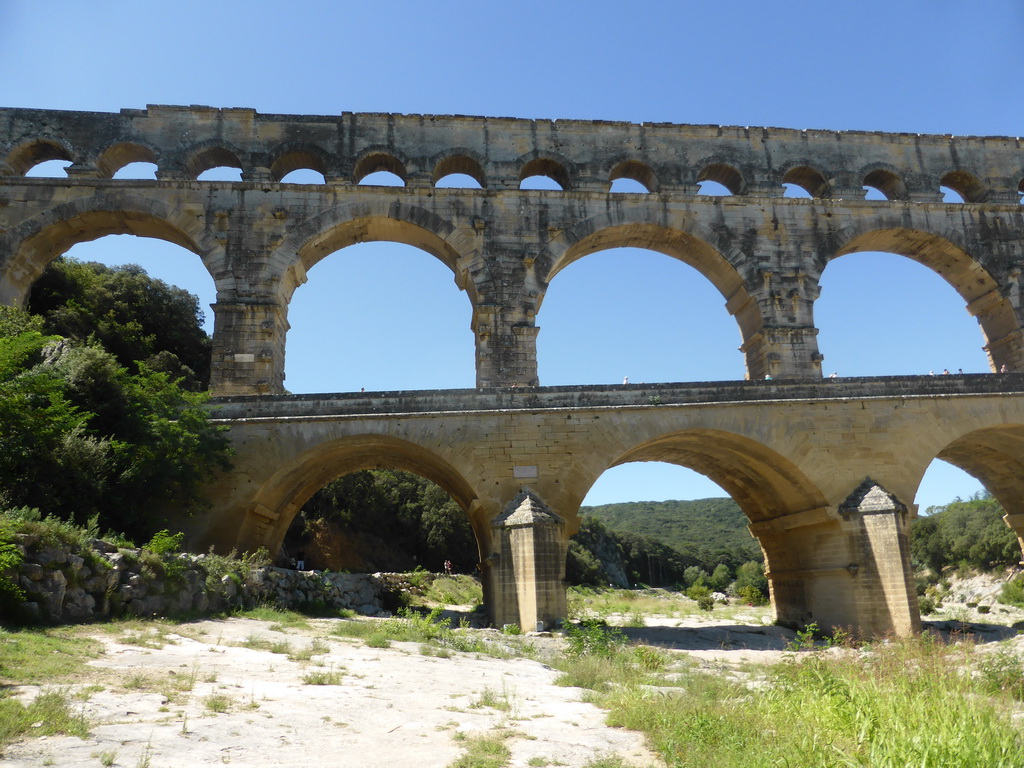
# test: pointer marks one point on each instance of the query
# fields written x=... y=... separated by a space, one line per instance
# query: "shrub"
x=1013 y=592
x=165 y=543
x=592 y=638
x=751 y=595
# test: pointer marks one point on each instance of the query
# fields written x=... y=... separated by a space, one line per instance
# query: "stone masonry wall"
x=66 y=584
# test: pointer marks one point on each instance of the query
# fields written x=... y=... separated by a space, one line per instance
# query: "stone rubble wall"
x=64 y=584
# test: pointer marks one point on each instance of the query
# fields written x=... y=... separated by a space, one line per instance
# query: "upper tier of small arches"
x=186 y=144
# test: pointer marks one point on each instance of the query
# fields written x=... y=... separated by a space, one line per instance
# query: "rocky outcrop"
x=67 y=583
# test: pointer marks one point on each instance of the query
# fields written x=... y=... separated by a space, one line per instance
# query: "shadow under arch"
x=691 y=245
x=344 y=226
x=37 y=242
x=287 y=489
x=979 y=288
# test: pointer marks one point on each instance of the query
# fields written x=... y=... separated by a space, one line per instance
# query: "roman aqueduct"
x=825 y=470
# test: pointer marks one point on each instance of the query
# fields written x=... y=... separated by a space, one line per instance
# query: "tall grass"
x=912 y=702
x=48 y=714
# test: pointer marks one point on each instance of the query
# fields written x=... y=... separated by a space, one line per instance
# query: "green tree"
x=721 y=578
x=750 y=576
x=410 y=513
x=83 y=437
x=131 y=315
x=971 y=532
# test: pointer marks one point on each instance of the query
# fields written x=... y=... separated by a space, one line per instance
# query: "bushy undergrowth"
x=455 y=590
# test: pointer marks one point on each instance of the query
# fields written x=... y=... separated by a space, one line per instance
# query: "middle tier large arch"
x=680 y=238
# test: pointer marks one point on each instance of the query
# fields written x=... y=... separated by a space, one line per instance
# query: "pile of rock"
x=66 y=583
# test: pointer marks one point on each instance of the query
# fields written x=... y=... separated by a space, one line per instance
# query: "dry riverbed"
x=204 y=698
x=248 y=692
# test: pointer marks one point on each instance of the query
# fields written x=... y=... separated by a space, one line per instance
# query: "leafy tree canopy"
x=91 y=433
x=133 y=316
x=968 y=532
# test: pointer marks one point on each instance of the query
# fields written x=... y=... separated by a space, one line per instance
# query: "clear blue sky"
x=939 y=66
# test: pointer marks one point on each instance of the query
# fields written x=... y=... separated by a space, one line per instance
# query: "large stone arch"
x=373 y=221
x=784 y=506
x=951 y=258
x=679 y=238
x=281 y=495
x=26 y=250
x=995 y=456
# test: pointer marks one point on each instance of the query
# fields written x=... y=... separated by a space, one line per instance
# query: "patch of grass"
x=609 y=761
x=49 y=714
x=906 y=702
x=378 y=640
x=483 y=751
x=279 y=616
x=257 y=643
x=491 y=698
x=316 y=648
x=34 y=656
x=323 y=677
x=217 y=702
x=106 y=758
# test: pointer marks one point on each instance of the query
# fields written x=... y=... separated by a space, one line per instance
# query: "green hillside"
x=702 y=528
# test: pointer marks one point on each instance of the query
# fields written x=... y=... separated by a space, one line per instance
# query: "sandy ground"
x=393 y=707
x=203 y=699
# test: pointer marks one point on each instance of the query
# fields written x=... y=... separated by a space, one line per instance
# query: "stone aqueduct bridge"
x=823 y=469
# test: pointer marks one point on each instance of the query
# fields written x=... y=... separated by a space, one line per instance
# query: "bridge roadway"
x=825 y=470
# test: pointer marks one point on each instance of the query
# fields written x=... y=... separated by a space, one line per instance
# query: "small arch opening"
x=884 y=183
x=458 y=181
x=543 y=173
x=628 y=186
x=950 y=195
x=138 y=170
x=713 y=189
x=128 y=160
x=381 y=179
x=966 y=185
x=29 y=156
x=214 y=164
x=308 y=164
x=49 y=169
x=796 y=191
x=724 y=176
x=459 y=172
x=803 y=181
x=633 y=176
x=221 y=173
x=381 y=170
x=304 y=176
